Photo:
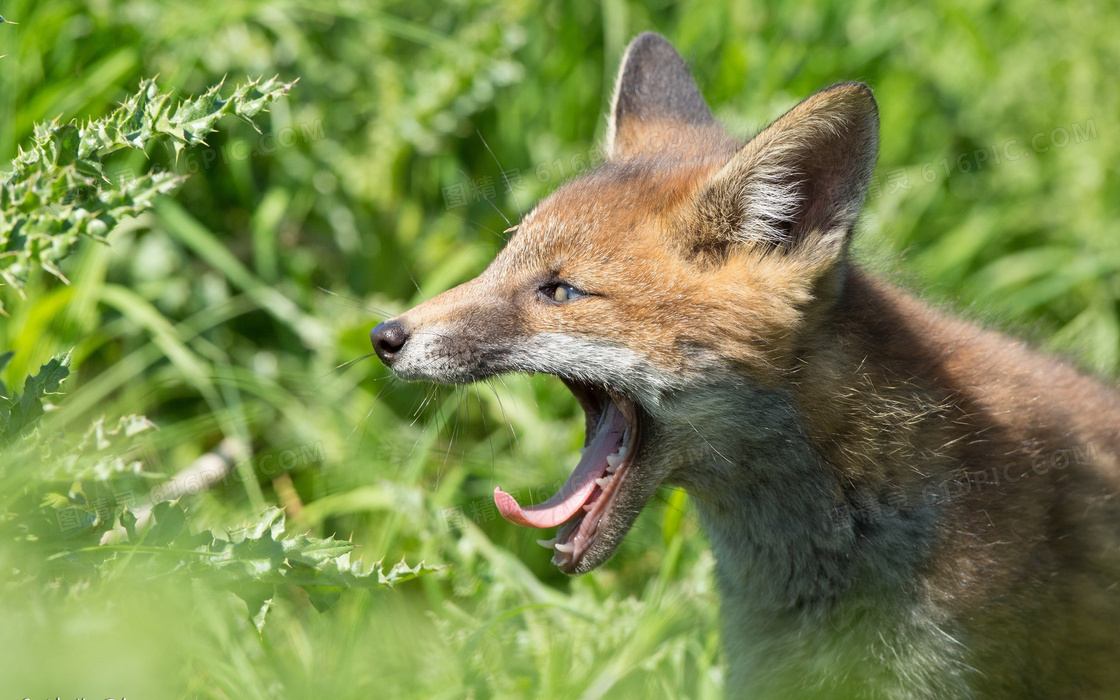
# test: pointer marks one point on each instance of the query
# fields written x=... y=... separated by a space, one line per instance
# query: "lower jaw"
x=586 y=531
x=590 y=536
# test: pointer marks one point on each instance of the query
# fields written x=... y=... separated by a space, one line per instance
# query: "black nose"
x=388 y=338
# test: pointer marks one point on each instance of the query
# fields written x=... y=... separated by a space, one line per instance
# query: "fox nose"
x=388 y=338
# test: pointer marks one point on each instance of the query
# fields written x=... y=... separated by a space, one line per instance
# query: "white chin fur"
x=598 y=362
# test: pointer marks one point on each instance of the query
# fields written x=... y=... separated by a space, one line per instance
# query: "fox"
x=901 y=504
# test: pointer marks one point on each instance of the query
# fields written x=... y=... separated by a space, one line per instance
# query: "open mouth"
x=587 y=497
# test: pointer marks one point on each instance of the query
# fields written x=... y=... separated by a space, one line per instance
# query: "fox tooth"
x=547 y=544
x=604 y=482
x=583 y=449
x=564 y=548
x=622 y=450
x=613 y=461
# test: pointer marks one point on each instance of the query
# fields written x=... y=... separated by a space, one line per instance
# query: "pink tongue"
x=577 y=489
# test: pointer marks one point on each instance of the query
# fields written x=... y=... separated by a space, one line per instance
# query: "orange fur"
x=902 y=505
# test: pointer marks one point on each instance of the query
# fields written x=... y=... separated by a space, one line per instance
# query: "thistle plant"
x=62 y=495
x=58 y=189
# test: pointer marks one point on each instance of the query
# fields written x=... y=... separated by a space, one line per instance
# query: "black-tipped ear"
x=655 y=92
x=799 y=185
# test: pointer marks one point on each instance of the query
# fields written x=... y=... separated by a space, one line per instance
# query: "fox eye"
x=560 y=293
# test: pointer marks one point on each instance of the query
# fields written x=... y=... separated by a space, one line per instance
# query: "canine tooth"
x=547 y=544
x=604 y=482
x=560 y=559
x=582 y=450
x=564 y=548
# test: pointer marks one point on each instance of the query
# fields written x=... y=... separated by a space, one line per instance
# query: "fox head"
x=670 y=289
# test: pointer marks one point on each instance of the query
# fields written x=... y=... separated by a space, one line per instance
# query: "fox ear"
x=654 y=94
x=799 y=185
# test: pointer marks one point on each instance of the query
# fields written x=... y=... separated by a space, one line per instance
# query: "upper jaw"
x=593 y=400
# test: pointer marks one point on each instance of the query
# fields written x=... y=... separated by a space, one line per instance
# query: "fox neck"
x=769 y=507
x=796 y=491
x=785 y=482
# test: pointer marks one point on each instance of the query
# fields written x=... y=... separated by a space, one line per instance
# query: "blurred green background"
x=228 y=311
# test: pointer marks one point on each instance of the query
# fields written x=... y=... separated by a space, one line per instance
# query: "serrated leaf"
x=168 y=519
x=271 y=523
x=99 y=455
x=315 y=552
x=255 y=561
x=58 y=190
x=258 y=600
x=402 y=572
x=20 y=412
x=261 y=557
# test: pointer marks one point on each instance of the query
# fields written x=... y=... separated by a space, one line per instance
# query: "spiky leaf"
x=20 y=412
x=59 y=190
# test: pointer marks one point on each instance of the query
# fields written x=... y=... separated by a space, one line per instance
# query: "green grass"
x=207 y=315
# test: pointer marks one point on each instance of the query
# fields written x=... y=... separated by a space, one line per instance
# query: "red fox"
x=901 y=504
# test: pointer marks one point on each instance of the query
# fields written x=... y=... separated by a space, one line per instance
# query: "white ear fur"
x=801 y=182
